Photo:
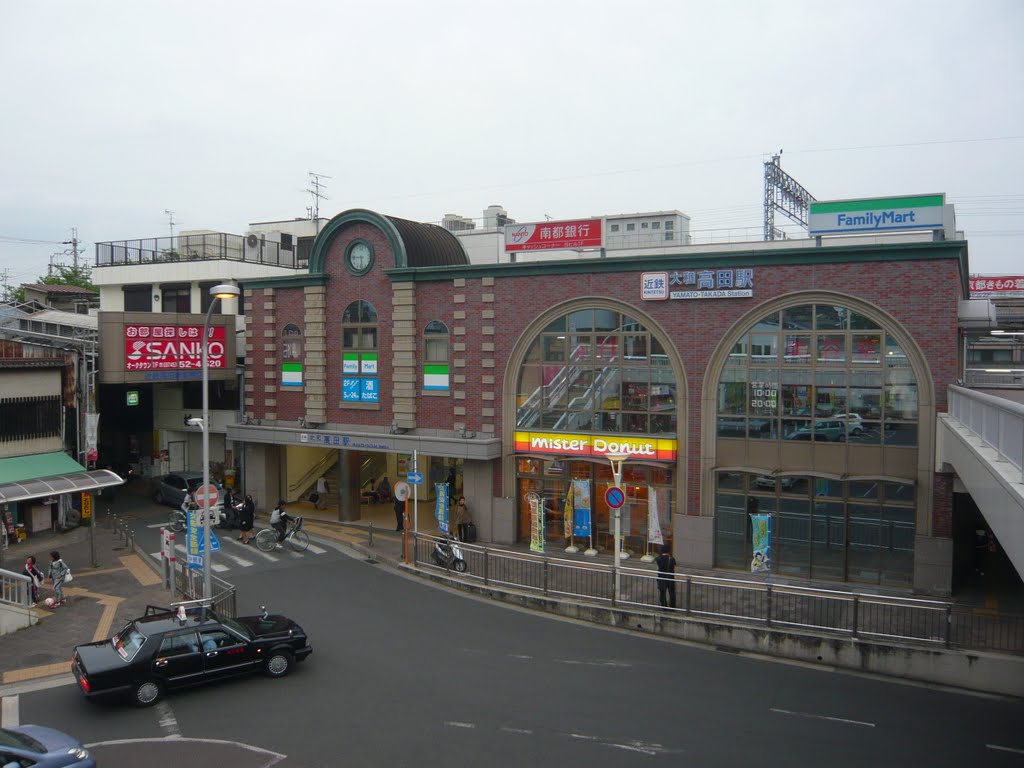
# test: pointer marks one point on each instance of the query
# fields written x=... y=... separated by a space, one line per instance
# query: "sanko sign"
x=171 y=347
x=595 y=446
x=877 y=215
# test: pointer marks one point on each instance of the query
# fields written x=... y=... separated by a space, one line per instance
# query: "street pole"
x=616 y=460
x=217 y=292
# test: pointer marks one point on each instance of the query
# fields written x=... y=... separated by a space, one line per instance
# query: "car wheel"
x=856 y=431
x=279 y=663
x=147 y=693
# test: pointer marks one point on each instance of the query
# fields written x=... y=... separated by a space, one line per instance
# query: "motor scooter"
x=448 y=554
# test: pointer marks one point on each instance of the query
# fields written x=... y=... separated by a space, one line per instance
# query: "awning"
x=58 y=484
x=36 y=465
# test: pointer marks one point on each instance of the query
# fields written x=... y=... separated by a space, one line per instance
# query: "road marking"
x=507 y=729
x=315 y=549
x=581 y=736
x=28 y=673
x=520 y=656
x=823 y=717
x=1005 y=749
x=142 y=572
x=167 y=722
x=9 y=712
x=594 y=663
x=637 y=746
x=275 y=757
x=457 y=724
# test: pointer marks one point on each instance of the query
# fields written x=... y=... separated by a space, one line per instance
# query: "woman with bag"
x=59 y=574
x=32 y=571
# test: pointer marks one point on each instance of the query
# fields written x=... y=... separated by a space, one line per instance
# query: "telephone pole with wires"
x=73 y=242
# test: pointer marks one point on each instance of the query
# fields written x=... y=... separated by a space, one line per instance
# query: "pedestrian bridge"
x=981 y=438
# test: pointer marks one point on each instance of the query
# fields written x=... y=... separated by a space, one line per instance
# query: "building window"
x=643 y=225
x=670 y=224
x=176 y=297
x=304 y=250
x=29 y=418
x=205 y=299
x=138 y=298
x=826 y=374
x=655 y=225
x=631 y=227
x=359 y=380
x=291 y=356
x=614 y=227
x=435 y=357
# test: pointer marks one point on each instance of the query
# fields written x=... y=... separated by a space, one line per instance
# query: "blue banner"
x=581 y=508
x=441 y=506
x=762 y=541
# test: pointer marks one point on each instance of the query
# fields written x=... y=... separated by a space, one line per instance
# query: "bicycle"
x=297 y=538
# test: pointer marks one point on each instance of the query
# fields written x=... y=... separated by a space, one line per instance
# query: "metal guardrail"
x=213 y=245
x=1011 y=379
x=15 y=588
x=189 y=583
x=998 y=422
x=851 y=614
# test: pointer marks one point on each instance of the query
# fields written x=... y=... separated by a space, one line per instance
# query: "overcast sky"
x=113 y=112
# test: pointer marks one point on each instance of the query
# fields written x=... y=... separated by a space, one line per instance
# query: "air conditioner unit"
x=253 y=247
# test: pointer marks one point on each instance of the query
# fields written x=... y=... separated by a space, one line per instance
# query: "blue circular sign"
x=615 y=497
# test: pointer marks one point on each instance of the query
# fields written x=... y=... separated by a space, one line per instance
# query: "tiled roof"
x=65 y=289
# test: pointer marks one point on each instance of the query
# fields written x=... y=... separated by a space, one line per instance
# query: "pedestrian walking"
x=247 y=518
x=462 y=519
x=666 y=578
x=32 y=571
x=320 y=493
x=58 y=574
x=399 y=515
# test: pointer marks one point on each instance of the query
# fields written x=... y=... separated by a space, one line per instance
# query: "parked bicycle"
x=297 y=538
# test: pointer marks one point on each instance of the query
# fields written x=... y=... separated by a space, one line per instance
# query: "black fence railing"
x=214 y=245
x=851 y=614
x=188 y=583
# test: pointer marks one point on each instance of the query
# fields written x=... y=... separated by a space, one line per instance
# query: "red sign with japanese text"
x=171 y=347
x=554 y=235
x=999 y=285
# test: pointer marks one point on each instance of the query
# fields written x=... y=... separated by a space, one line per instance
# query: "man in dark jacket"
x=666 y=578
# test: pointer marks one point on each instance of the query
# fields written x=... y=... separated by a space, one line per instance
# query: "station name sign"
x=697 y=284
x=574 y=444
x=883 y=214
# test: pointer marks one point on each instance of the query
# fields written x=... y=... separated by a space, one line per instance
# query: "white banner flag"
x=653 y=522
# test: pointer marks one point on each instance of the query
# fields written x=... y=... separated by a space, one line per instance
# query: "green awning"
x=20 y=468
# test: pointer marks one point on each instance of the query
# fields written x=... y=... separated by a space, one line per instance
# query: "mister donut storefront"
x=798 y=380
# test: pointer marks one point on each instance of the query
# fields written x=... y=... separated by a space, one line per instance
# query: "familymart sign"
x=882 y=214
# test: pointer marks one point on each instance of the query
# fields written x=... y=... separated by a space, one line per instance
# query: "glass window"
x=435 y=342
x=631 y=227
x=176 y=298
x=655 y=225
x=867 y=348
x=800 y=318
x=828 y=318
x=178 y=645
x=291 y=356
x=614 y=227
x=764 y=349
x=359 y=378
x=138 y=298
x=831 y=349
x=798 y=349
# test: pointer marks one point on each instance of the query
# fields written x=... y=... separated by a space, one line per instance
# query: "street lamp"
x=223 y=291
x=616 y=460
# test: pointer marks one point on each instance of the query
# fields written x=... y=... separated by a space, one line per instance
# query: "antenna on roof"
x=318 y=194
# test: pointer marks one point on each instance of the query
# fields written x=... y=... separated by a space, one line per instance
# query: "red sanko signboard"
x=171 y=347
x=553 y=235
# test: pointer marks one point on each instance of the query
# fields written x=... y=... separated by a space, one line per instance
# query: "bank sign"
x=884 y=214
x=595 y=446
x=171 y=347
x=553 y=235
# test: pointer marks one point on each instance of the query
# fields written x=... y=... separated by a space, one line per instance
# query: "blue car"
x=42 y=747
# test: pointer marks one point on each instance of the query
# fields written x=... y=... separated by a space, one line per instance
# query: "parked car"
x=42 y=747
x=171 y=489
x=824 y=429
x=767 y=481
x=854 y=422
x=167 y=649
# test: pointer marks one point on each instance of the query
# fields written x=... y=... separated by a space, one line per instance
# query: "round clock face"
x=359 y=257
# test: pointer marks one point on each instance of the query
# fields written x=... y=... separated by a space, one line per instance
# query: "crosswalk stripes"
x=230 y=545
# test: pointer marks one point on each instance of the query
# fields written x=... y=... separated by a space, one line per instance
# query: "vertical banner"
x=537 y=524
x=653 y=519
x=92 y=428
x=195 y=560
x=567 y=513
x=581 y=508
x=441 y=506
x=762 y=541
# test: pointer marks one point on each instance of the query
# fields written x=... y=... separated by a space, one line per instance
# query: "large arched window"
x=843 y=507
x=291 y=356
x=436 y=373
x=359 y=381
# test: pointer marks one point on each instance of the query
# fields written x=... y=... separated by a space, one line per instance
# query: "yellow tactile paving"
x=80 y=573
x=30 y=673
x=142 y=573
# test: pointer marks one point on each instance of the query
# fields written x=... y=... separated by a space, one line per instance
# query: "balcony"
x=198 y=247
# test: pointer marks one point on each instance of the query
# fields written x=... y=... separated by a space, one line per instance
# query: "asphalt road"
x=408 y=674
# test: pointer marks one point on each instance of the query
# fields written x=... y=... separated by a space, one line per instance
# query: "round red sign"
x=204 y=491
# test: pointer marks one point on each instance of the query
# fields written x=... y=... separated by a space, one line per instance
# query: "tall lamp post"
x=223 y=291
x=616 y=460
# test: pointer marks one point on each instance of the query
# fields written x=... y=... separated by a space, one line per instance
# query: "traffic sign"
x=402 y=490
x=615 y=497
x=415 y=478
x=204 y=491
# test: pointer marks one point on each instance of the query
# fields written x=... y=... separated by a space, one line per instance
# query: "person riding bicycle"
x=279 y=521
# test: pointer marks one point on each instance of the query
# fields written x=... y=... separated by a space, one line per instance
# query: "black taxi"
x=185 y=645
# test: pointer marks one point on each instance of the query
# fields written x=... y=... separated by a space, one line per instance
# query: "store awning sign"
x=597 y=446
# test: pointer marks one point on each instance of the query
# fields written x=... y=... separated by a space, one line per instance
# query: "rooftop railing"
x=209 y=246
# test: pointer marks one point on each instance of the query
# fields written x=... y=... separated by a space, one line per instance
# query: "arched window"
x=359 y=382
x=291 y=356
x=843 y=508
x=436 y=374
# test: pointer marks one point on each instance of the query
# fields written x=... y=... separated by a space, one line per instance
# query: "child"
x=33 y=572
